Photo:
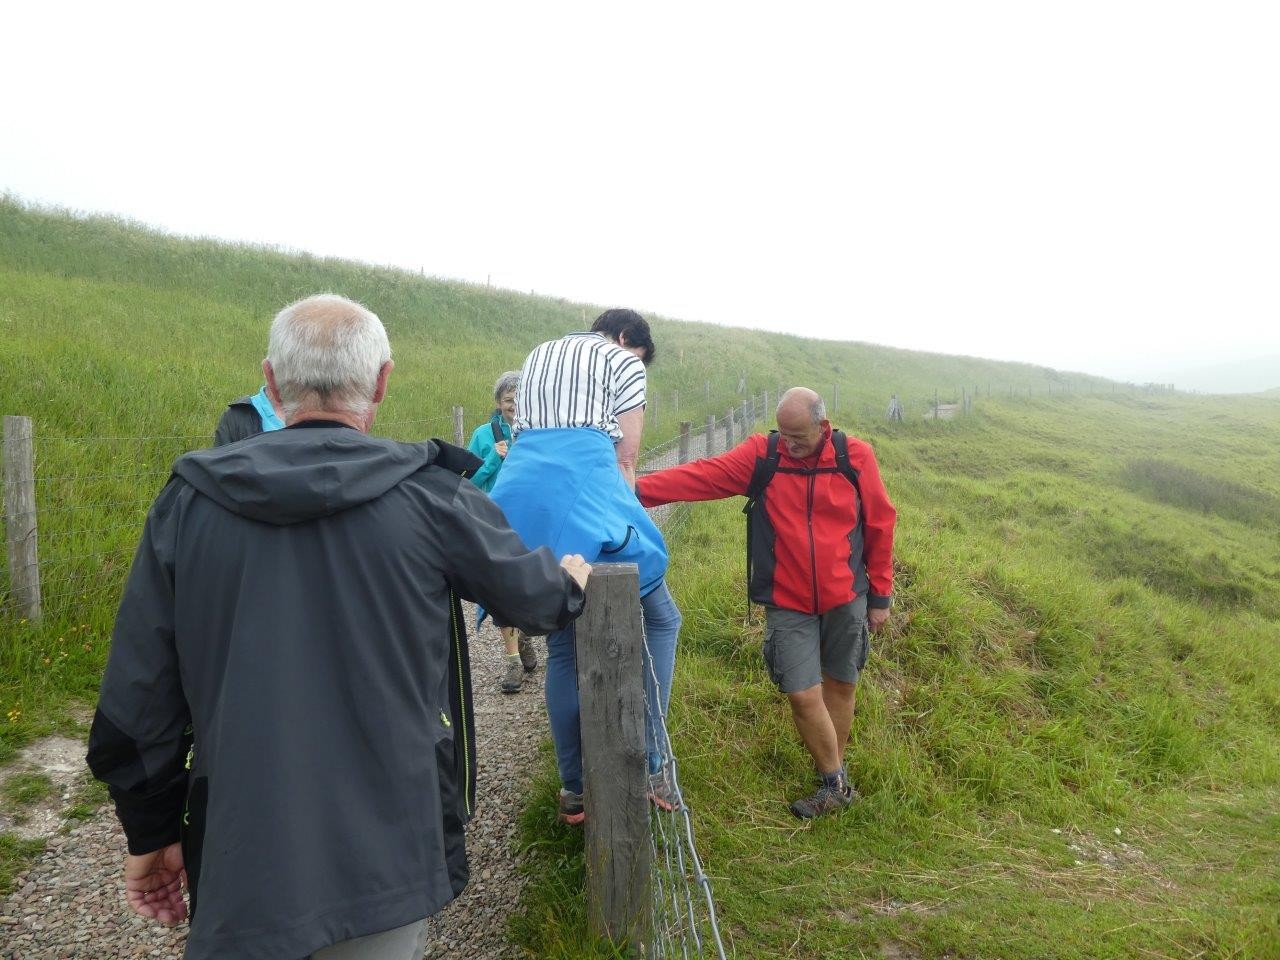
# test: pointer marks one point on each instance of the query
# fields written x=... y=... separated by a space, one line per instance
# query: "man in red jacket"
x=820 y=561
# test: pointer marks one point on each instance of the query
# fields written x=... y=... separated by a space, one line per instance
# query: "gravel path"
x=70 y=904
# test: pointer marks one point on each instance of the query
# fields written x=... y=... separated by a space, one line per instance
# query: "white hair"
x=817 y=407
x=326 y=352
x=506 y=383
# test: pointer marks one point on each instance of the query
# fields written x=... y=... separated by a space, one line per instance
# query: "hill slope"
x=1085 y=637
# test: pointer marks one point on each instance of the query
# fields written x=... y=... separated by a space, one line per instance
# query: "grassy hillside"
x=1068 y=738
x=1085 y=638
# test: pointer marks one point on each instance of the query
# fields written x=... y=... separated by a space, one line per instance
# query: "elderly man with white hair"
x=285 y=723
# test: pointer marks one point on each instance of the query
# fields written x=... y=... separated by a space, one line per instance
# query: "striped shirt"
x=580 y=380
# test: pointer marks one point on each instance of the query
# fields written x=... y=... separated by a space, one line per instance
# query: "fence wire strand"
x=683 y=920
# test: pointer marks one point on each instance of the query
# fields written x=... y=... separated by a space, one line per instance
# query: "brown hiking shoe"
x=826 y=799
x=527 y=657
x=513 y=679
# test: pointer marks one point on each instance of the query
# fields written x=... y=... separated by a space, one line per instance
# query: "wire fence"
x=682 y=914
x=683 y=921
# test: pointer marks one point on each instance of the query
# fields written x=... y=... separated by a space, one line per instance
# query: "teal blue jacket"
x=482 y=445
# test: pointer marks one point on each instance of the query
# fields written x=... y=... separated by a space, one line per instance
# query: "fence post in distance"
x=711 y=436
x=728 y=430
x=685 y=427
x=458 y=426
x=20 y=516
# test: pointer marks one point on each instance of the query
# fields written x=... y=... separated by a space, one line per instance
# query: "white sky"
x=1089 y=185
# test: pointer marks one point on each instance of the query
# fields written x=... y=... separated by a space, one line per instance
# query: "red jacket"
x=810 y=553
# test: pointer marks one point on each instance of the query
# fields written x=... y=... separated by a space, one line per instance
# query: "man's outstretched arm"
x=489 y=564
x=711 y=479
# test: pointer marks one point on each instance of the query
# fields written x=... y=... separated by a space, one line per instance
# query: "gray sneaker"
x=662 y=792
x=824 y=800
x=527 y=657
x=513 y=679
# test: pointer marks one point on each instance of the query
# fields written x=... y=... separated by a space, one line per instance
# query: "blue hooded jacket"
x=484 y=446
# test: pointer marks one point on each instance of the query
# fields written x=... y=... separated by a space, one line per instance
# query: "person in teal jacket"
x=484 y=441
x=485 y=444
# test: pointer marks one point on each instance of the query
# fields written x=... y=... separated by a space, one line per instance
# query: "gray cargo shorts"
x=800 y=647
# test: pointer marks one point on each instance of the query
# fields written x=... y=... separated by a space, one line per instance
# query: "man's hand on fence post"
x=577 y=568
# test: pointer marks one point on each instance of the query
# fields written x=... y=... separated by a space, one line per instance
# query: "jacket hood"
x=294 y=475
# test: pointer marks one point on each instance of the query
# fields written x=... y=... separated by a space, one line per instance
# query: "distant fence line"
x=59 y=552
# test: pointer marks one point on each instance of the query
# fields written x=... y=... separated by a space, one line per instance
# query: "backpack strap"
x=840 y=444
x=762 y=476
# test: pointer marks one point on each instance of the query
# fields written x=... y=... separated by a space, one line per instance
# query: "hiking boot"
x=513 y=679
x=826 y=799
x=662 y=792
x=570 y=808
x=527 y=657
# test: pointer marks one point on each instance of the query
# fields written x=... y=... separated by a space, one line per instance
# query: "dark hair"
x=618 y=323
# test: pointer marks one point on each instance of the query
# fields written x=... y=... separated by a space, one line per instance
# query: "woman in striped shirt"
x=569 y=484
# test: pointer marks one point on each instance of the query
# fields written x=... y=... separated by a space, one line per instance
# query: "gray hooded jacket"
x=288 y=692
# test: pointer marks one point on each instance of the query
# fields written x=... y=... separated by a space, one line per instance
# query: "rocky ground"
x=70 y=903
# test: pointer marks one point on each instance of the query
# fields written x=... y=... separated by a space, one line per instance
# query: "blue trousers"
x=661 y=628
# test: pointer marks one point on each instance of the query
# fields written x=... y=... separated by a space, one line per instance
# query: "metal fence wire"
x=682 y=909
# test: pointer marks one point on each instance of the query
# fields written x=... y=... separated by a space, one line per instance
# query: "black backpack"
x=767 y=466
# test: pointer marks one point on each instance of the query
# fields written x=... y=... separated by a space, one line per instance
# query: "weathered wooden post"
x=614 y=760
x=835 y=397
x=746 y=418
x=711 y=436
x=20 y=516
x=706 y=392
x=685 y=427
x=676 y=399
x=728 y=430
x=458 y=426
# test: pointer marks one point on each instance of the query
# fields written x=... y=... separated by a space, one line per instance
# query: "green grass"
x=1085 y=635
x=1067 y=658
x=25 y=789
x=15 y=855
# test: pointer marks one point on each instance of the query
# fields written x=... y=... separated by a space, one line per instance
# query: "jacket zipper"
x=462 y=706
x=813 y=552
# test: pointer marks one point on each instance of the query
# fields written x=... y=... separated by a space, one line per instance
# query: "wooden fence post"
x=20 y=516
x=615 y=763
x=685 y=427
x=711 y=436
x=458 y=426
x=728 y=430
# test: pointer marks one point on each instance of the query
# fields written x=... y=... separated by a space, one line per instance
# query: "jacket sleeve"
x=482 y=446
x=488 y=563
x=711 y=479
x=879 y=517
x=141 y=730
